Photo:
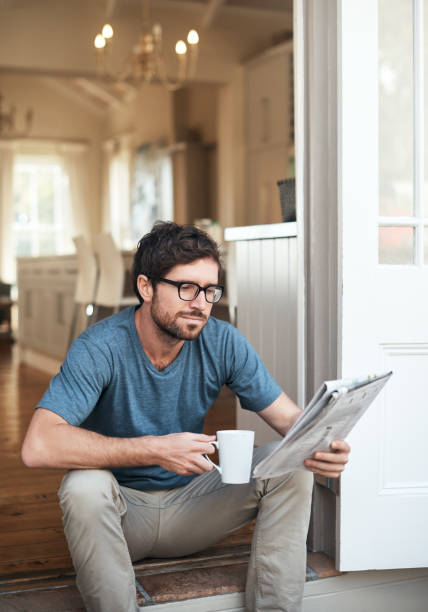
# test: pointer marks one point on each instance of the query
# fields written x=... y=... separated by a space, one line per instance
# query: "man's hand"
x=182 y=453
x=330 y=464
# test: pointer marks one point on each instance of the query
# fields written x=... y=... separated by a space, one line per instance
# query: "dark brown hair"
x=169 y=244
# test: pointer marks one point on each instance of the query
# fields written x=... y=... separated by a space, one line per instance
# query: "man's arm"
x=51 y=442
x=281 y=415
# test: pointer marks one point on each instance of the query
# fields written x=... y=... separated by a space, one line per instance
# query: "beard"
x=176 y=328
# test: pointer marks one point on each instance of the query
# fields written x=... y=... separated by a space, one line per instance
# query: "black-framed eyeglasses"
x=188 y=291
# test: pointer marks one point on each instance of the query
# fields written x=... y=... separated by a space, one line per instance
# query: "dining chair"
x=6 y=304
x=111 y=282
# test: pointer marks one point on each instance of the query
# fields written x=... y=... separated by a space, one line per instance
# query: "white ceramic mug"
x=235 y=451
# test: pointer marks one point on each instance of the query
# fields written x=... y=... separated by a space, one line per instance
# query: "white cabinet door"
x=268 y=82
x=269 y=135
x=265 y=168
x=383 y=507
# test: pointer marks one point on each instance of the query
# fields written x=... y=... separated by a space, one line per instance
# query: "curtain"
x=7 y=260
x=107 y=156
x=117 y=154
x=75 y=163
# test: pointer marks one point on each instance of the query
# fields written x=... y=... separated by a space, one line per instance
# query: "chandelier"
x=147 y=63
x=8 y=127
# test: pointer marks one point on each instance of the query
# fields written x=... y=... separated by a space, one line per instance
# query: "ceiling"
x=53 y=39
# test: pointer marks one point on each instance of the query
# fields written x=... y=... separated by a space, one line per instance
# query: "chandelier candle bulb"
x=107 y=31
x=181 y=47
x=193 y=40
x=193 y=37
x=99 y=42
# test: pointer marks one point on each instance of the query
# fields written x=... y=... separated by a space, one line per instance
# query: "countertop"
x=258 y=232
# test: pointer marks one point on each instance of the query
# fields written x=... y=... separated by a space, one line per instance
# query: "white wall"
x=148 y=116
x=196 y=108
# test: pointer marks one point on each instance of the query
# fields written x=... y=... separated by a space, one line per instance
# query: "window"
x=403 y=136
x=152 y=198
x=40 y=208
x=137 y=189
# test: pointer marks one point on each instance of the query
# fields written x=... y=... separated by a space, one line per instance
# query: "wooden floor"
x=30 y=521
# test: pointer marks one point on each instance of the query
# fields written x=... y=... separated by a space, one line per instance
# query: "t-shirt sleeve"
x=247 y=375
x=74 y=392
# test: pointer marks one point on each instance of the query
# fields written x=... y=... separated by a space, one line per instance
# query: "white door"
x=383 y=196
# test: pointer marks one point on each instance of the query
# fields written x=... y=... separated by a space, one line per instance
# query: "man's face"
x=175 y=317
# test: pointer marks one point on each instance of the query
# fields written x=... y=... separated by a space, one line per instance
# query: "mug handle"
x=217 y=467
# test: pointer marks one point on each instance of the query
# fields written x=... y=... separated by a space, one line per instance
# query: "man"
x=125 y=416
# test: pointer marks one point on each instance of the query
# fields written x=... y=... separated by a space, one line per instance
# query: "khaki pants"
x=108 y=526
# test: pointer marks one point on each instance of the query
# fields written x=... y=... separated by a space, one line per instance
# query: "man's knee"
x=296 y=486
x=304 y=482
x=301 y=481
x=87 y=492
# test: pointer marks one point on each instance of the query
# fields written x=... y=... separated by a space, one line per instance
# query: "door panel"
x=383 y=503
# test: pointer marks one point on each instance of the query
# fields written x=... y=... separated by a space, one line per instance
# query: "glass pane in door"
x=395 y=108
x=425 y=195
x=396 y=245
x=426 y=246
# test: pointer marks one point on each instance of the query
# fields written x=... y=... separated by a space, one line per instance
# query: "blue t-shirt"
x=108 y=385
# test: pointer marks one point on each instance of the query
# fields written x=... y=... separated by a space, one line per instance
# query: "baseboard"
x=46 y=363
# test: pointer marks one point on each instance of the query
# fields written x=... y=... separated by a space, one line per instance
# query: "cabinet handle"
x=60 y=309
x=28 y=304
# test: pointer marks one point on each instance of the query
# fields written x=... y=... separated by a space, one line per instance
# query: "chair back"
x=87 y=271
x=111 y=271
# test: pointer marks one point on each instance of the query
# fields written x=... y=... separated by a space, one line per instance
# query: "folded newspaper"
x=331 y=414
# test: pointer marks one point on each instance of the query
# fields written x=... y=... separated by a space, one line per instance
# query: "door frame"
x=319 y=304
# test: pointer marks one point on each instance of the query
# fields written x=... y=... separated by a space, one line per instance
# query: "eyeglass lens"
x=189 y=291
